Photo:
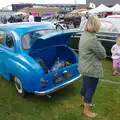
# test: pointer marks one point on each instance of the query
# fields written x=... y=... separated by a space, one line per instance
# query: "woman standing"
x=90 y=53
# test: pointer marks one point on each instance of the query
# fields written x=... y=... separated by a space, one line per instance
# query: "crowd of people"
x=17 y=18
x=30 y=18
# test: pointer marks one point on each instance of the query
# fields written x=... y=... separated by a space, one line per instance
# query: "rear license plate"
x=63 y=77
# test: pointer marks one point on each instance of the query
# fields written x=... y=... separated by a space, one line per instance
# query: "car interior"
x=53 y=54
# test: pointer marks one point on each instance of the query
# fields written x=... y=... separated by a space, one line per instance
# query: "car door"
x=2 y=39
x=7 y=53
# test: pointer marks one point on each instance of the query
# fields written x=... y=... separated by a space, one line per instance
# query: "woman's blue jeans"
x=88 y=88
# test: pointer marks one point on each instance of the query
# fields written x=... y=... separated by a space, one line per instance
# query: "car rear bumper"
x=47 y=92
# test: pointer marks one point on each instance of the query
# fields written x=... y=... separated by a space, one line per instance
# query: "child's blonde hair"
x=118 y=40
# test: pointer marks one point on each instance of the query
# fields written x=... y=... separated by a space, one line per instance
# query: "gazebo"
x=115 y=8
x=101 y=8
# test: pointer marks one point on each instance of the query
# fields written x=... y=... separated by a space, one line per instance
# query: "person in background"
x=71 y=25
x=116 y=56
x=83 y=18
x=25 y=18
x=31 y=18
x=100 y=15
x=87 y=15
x=18 y=18
x=89 y=64
x=4 y=19
x=10 y=20
x=106 y=14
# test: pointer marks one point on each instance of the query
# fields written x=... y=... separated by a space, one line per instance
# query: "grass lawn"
x=64 y=105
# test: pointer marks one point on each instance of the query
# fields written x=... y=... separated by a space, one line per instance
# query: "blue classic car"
x=37 y=58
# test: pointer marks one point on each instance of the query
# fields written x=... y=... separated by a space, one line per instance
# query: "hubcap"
x=59 y=28
x=18 y=85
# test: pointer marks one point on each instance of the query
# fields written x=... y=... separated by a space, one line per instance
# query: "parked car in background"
x=37 y=58
x=110 y=29
x=114 y=16
x=37 y=18
x=68 y=22
x=107 y=25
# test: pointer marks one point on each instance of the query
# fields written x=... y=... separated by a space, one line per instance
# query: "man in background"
x=31 y=18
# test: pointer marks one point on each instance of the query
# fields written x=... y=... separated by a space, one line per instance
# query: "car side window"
x=9 y=40
x=2 y=35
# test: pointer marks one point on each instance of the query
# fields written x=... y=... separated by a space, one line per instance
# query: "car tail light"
x=46 y=82
x=43 y=81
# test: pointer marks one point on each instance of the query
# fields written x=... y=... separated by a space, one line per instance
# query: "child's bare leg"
x=119 y=67
x=115 y=67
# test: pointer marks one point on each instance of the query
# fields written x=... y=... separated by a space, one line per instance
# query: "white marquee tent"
x=115 y=8
x=101 y=8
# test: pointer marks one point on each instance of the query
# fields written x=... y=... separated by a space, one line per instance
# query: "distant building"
x=17 y=7
x=64 y=7
x=40 y=10
x=61 y=7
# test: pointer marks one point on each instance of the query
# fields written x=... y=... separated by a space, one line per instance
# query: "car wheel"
x=58 y=28
x=19 y=88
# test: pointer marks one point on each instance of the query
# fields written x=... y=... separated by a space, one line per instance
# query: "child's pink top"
x=115 y=51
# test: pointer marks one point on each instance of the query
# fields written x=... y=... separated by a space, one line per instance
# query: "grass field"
x=64 y=104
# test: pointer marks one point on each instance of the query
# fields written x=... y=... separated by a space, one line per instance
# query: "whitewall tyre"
x=19 y=88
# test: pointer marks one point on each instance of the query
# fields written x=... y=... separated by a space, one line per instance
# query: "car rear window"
x=29 y=38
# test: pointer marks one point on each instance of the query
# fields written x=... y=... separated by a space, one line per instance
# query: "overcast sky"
x=4 y=3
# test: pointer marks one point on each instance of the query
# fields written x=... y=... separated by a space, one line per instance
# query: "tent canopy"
x=115 y=8
x=101 y=8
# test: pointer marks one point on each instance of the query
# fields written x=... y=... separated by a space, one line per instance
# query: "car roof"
x=26 y=26
x=115 y=22
x=113 y=16
x=110 y=19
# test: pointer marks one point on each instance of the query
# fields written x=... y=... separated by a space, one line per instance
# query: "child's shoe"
x=118 y=72
x=115 y=73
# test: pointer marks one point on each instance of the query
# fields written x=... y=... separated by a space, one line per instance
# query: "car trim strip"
x=42 y=93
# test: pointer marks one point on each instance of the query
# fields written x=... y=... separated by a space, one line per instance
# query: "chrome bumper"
x=47 y=92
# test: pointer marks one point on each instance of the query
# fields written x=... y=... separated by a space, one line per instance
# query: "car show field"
x=64 y=104
x=54 y=56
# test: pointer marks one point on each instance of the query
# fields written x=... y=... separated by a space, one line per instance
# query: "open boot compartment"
x=54 y=58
